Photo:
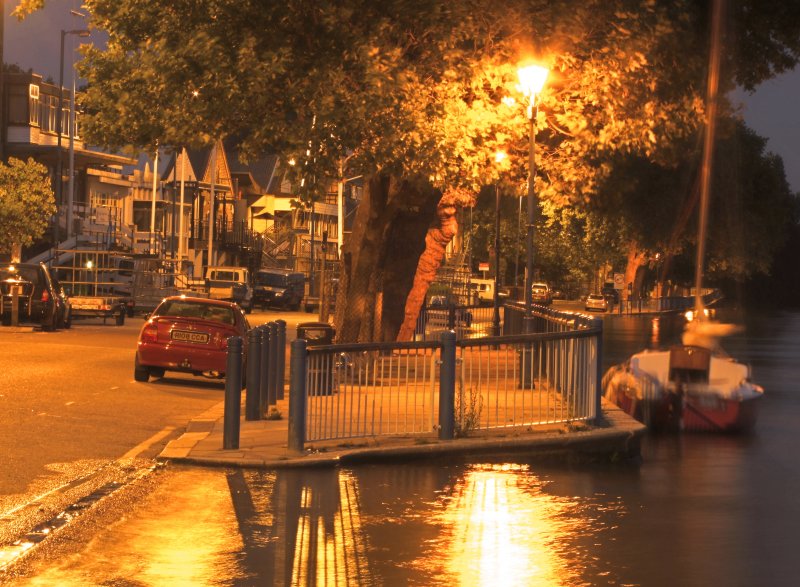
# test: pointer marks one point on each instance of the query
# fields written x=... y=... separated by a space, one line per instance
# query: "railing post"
x=233 y=394
x=251 y=402
x=528 y=327
x=447 y=386
x=281 y=366
x=263 y=379
x=297 y=394
x=597 y=323
x=451 y=315
x=274 y=354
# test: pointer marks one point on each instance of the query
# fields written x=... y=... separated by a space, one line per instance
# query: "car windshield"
x=271 y=279
x=200 y=310
x=29 y=273
x=224 y=276
x=596 y=297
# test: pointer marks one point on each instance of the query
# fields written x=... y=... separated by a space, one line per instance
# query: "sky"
x=773 y=110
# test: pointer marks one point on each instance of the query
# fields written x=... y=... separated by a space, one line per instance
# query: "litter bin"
x=321 y=365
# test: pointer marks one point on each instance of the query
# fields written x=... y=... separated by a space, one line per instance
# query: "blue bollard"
x=233 y=394
x=281 y=366
x=447 y=387
x=263 y=385
x=297 y=395
x=251 y=402
x=273 y=363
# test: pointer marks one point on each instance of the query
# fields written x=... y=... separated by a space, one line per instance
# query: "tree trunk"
x=436 y=241
x=380 y=258
x=635 y=260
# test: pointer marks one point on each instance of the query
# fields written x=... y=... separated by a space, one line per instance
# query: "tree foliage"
x=424 y=91
x=26 y=203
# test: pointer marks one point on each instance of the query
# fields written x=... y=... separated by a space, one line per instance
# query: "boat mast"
x=712 y=92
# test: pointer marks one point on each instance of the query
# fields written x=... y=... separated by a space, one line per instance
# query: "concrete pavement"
x=263 y=443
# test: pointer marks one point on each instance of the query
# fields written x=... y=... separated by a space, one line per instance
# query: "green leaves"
x=26 y=202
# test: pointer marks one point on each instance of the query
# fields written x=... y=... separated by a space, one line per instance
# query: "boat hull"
x=666 y=406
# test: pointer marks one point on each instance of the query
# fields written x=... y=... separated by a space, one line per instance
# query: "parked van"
x=231 y=284
x=481 y=291
x=279 y=288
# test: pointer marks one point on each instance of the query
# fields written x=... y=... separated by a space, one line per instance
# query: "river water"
x=697 y=510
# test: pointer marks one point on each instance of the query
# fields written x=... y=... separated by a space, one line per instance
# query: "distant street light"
x=59 y=123
x=531 y=80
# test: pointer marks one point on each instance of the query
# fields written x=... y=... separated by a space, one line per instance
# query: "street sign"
x=483 y=266
x=619 y=281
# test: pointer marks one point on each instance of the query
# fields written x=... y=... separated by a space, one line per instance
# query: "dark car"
x=279 y=288
x=188 y=335
x=39 y=299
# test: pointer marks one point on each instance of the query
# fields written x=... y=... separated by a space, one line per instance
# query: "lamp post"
x=499 y=156
x=532 y=80
x=59 y=116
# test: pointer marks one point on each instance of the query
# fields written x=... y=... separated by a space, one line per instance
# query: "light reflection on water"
x=501 y=527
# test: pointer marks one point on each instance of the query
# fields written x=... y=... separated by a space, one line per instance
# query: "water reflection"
x=419 y=525
x=499 y=527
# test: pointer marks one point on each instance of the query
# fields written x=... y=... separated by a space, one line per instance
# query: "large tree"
x=415 y=93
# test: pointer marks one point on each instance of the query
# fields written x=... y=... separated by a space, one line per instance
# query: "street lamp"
x=59 y=117
x=499 y=157
x=531 y=80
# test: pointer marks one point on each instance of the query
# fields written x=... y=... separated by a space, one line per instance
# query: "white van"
x=481 y=291
x=231 y=284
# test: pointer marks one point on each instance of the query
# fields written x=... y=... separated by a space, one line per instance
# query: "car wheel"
x=140 y=373
x=156 y=372
x=52 y=322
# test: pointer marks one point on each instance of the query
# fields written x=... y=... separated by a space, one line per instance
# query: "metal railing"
x=453 y=387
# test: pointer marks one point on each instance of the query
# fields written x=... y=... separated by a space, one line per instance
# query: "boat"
x=693 y=386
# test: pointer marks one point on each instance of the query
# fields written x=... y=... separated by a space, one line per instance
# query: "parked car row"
x=39 y=297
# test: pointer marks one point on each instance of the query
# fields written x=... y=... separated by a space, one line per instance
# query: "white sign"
x=619 y=281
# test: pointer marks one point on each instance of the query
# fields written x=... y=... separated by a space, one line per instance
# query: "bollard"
x=263 y=383
x=297 y=394
x=251 y=402
x=273 y=363
x=233 y=394
x=447 y=386
x=281 y=366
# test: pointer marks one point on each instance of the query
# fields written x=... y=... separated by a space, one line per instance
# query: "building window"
x=33 y=105
x=65 y=117
x=48 y=118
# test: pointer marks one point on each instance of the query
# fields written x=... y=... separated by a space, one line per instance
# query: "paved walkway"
x=263 y=443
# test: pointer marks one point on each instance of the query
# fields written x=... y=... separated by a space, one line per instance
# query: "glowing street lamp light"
x=531 y=79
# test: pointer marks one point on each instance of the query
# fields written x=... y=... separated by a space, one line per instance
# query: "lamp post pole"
x=532 y=80
x=529 y=251
x=496 y=297
x=59 y=123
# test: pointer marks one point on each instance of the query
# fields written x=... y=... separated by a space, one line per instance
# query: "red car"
x=189 y=335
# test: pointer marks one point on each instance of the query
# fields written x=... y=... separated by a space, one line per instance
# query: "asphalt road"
x=71 y=408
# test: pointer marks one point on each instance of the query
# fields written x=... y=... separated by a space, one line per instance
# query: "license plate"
x=188 y=336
